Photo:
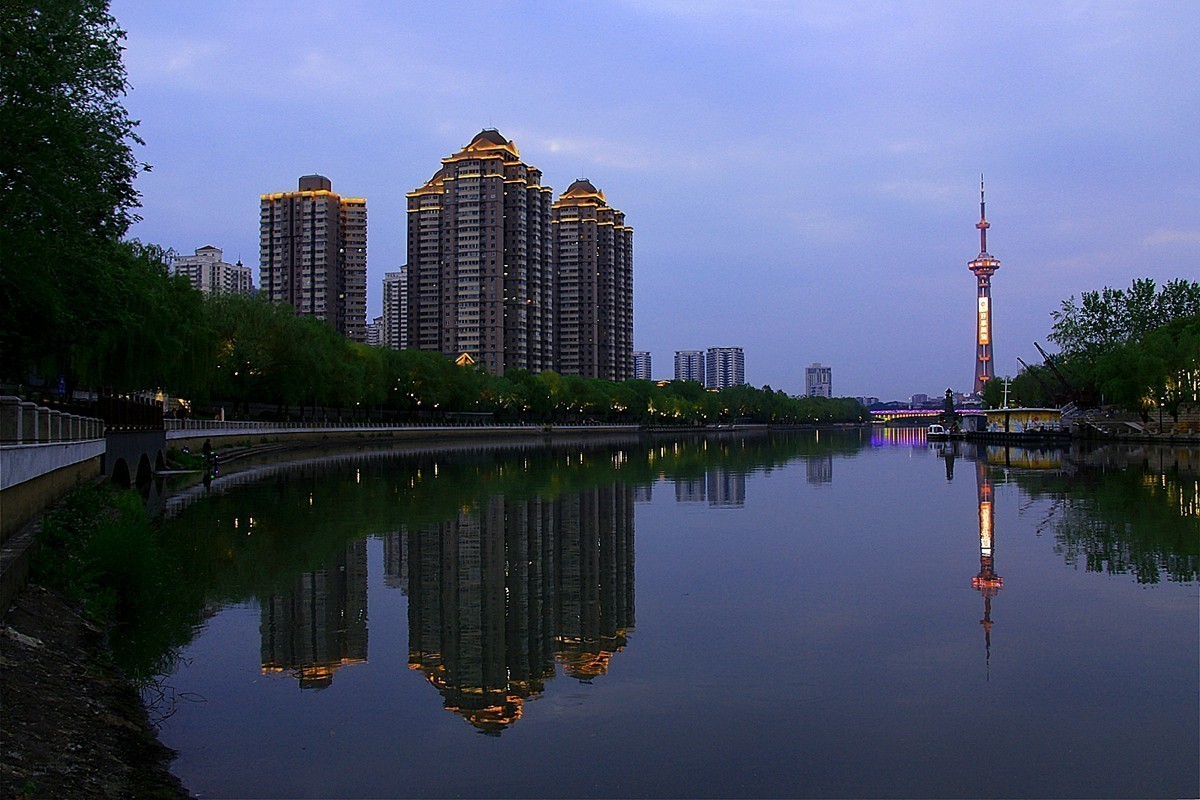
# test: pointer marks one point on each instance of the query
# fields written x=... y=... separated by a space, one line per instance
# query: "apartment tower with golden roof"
x=313 y=254
x=480 y=276
x=593 y=257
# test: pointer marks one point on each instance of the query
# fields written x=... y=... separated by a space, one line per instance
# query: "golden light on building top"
x=984 y=266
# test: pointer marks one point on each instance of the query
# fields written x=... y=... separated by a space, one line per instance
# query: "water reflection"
x=499 y=594
x=320 y=624
x=987 y=582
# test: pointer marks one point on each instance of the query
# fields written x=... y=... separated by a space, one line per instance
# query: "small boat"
x=937 y=433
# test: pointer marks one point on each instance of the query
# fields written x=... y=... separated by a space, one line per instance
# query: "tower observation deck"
x=984 y=266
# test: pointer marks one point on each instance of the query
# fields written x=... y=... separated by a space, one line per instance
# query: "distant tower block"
x=983 y=266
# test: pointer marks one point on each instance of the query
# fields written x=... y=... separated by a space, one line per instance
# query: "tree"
x=1110 y=318
x=66 y=176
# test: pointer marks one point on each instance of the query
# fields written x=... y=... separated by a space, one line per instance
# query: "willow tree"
x=67 y=173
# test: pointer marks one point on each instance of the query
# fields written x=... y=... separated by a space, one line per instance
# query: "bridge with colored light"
x=886 y=415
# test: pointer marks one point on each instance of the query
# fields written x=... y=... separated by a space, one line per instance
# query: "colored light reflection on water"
x=800 y=616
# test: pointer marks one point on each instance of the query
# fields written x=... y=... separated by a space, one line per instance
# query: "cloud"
x=1166 y=236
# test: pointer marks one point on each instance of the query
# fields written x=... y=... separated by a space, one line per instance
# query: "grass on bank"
x=100 y=547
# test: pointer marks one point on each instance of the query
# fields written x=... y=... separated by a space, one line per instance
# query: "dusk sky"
x=802 y=178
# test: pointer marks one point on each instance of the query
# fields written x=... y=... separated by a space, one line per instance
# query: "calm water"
x=816 y=615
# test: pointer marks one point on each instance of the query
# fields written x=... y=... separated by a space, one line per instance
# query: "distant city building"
x=689 y=365
x=868 y=401
x=918 y=399
x=375 y=332
x=593 y=286
x=641 y=365
x=395 y=309
x=724 y=367
x=818 y=381
x=313 y=254
x=208 y=273
x=480 y=273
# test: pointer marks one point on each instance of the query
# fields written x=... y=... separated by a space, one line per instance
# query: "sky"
x=802 y=178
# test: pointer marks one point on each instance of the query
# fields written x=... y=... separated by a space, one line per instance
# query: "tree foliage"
x=66 y=180
x=1136 y=348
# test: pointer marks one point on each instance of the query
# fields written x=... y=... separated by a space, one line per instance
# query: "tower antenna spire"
x=983 y=223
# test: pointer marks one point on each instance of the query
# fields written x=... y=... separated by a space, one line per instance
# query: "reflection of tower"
x=495 y=592
x=726 y=489
x=983 y=266
x=987 y=581
x=819 y=469
x=321 y=624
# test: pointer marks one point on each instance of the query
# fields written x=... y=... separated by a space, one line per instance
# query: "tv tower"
x=983 y=266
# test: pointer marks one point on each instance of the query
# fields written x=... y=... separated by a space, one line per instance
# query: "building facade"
x=313 y=254
x=395 y=309
x=209 y=273
x=689 y=365
x=480 y=273
x=724 y=367
x=818 y=381
x=642 y=367
x=593 y=301
x=375 y=332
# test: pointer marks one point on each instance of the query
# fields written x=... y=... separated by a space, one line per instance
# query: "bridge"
x=922 y=415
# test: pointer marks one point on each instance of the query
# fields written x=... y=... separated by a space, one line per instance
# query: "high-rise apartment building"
x=313 y=254
x=480 y=277
x=689 y=365
x=395 y=309
x=818 y=381
x=593 y=305
x=208 y=273
x=375 y=332
x=724 y=367
x=642 y=368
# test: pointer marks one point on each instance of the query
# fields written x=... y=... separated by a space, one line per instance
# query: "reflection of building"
x=643 y=493
x=987 y=581
x=321 y=624
x=819 y=469
x=690 y=490
x=984 y=266
x=726 y=489
x=498 y=594
x=395 y=565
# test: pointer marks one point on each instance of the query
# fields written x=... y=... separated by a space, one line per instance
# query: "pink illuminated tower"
x=983 y=266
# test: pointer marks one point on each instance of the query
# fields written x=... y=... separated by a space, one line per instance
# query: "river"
x=819 y=614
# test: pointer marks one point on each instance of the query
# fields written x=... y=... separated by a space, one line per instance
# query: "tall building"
x=375 y=332
x=724 y=367
x=313 y=254
x=593 y=305
x=208 y=273
x=395 y=309
x=984 y=266
x=689 y=365
x=480 y=277
x=642 y=368
x=818 y=381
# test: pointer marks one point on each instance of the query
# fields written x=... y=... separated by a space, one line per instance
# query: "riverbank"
x=73 y=725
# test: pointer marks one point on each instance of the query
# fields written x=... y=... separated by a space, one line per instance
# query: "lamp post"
x=1162 y=401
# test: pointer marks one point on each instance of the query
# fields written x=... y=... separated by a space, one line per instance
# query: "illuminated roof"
x=490 y=139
